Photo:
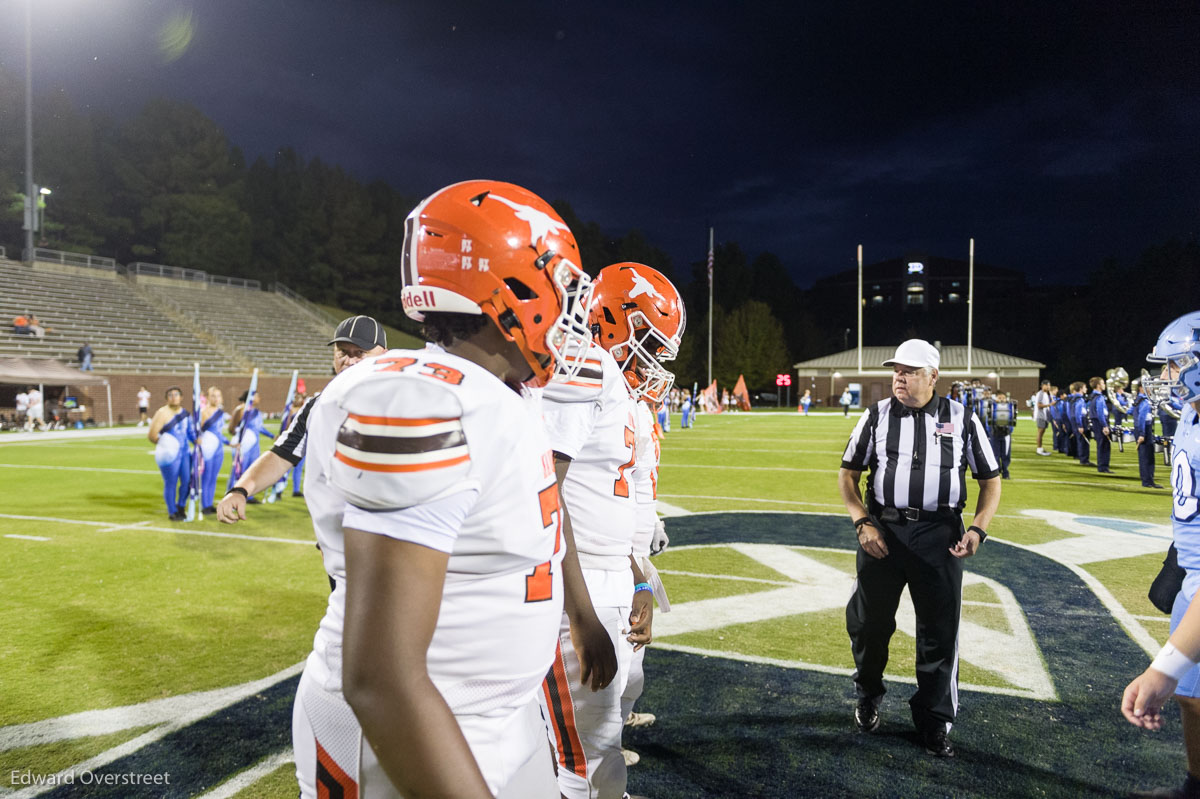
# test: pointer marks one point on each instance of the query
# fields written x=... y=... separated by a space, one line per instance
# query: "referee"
x=918 y=447
x=356 y=338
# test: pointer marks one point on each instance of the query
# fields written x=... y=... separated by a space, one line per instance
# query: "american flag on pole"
x=710 y=261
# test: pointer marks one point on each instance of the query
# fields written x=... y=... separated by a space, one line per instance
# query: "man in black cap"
x=355 y=338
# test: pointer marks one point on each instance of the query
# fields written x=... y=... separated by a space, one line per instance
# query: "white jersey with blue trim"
x=426 y=447
x=1185 y=488
x=645 y=480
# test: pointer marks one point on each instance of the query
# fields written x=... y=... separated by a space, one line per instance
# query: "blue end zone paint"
x=205 y=754
x=729 y=729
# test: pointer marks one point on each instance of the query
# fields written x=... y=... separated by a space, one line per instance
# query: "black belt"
x=892 y=515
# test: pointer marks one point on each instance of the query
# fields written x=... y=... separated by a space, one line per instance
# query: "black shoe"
x=299 y=494
x=1153 y=485
x=1104 y=471
x=177 y=516
x=211 y=509
x=252 y=500
x=1086 y=463
x=937 y=742
x=866 y=715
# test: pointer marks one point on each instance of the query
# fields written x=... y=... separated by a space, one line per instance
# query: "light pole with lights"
x=30 y=208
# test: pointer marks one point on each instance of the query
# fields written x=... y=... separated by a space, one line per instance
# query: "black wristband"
x=980 y=530
x=858 y=523
x=238 y=490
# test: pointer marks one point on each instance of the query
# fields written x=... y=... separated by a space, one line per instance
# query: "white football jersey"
x=645 y=479
x=591 y=420
x=399 y=432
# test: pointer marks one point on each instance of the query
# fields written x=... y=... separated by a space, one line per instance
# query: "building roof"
x=953 y=358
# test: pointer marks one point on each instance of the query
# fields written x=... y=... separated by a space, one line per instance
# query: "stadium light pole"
x=43 y=193
x=30 y=207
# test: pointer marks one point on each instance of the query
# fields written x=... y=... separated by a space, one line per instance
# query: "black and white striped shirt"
x=919 y=457
x=293 y=441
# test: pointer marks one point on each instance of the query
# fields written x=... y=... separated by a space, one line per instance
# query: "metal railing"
x=234 y=282
x=313 y=311
x=72 y=259
x=159 y=270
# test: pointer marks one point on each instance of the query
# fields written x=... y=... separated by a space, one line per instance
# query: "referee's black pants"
x=919 y=557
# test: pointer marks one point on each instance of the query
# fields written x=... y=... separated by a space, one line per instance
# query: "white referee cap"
x=915 y=353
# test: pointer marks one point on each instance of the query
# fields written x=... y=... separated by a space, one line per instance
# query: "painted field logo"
x=784 y=606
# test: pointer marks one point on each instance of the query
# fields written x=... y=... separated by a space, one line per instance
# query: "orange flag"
x=741 y=394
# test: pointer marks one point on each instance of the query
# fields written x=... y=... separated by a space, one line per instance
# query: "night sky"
x=1056 y=134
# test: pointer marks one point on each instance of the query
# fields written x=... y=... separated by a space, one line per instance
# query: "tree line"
x=166 y=186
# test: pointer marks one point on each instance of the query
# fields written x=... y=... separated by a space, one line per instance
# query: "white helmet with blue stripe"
x=1178 y=348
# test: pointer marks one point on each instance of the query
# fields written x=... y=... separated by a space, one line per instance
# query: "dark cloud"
x=1056 y=134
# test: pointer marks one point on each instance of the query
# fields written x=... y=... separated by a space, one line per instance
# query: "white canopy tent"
x=49 y=372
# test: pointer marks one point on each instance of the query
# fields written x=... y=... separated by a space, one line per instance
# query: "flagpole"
x=710 y=303
x=860 y=309
x=970 y=301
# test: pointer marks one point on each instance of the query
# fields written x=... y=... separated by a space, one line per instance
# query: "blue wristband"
x=642 y=587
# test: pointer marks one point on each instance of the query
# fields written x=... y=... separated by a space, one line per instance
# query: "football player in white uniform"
x=639 y=316
x=434 y=500
x=593 y=422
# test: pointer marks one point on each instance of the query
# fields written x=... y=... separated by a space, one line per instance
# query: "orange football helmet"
x=638 y=316
x=486 y=247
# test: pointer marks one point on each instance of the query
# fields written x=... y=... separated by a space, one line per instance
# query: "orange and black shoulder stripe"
x=401 y=444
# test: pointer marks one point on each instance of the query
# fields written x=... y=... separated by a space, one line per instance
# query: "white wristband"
x=1173 y=663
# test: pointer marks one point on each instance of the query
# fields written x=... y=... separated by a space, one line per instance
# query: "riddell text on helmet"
x=417 y=298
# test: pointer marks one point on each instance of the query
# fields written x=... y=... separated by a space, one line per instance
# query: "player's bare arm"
x=266 y=470
x=641 y=616
x=597 y=658
x=869 y=537
x=392 y=607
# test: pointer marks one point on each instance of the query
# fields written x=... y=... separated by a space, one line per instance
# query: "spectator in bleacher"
x=143 y=397
x=34 y=416
x=355 y=338
x=170 y=431
x=35 y=326
x=21 y=324
x=84 y=354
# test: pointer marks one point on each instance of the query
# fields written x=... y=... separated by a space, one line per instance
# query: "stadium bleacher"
x=154 y=328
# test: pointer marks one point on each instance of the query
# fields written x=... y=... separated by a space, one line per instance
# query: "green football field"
x=139 y=645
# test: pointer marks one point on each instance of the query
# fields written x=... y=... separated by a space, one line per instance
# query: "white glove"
x=659 y=540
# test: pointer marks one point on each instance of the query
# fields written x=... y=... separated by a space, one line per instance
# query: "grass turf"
x=104 y=617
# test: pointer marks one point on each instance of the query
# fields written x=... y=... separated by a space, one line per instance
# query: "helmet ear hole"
x=520 y=290
x=608 y=316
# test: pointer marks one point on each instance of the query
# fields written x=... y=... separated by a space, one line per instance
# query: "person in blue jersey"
x=687 y=409
x=296 y=471
x=1077 y=412
x=1097 y=421
x=1143 y=429
x=246 y=447
x=170 y=431
x=1001 y=421
x=1174 y=670
x=212 y=446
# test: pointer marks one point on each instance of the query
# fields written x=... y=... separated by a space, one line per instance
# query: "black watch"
x=981 y=531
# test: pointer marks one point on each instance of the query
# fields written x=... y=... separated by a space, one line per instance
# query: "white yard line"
x=250 y=775
x=27 y=537
x=79 y=469
x=137 y=527
x=57 y=435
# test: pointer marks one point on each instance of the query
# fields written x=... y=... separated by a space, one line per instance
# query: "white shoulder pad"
x=402 y=443
x=584 y=387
